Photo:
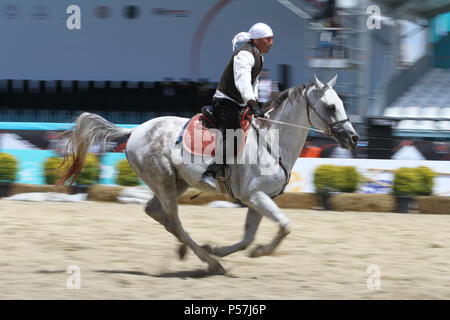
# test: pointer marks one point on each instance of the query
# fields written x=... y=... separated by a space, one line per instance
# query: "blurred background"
x=131 y=61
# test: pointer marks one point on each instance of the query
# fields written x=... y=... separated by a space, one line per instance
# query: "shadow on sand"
x=196 y=274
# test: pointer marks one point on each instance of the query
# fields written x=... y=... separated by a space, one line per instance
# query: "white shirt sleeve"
x=256 y=87
x=242 y=69
x=256 y=84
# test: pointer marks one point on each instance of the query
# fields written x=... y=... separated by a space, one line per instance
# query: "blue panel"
x=108 y=172
x=30 y=164
x=45 y=126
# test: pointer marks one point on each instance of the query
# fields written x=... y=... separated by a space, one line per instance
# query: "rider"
x=238 y=86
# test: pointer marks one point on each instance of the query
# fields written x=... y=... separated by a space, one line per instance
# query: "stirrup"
x=224 y=173
x=209 y=176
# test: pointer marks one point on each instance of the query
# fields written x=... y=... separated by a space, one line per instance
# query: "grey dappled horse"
x=155 y=156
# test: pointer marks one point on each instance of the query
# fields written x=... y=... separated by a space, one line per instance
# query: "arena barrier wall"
x=379 y=173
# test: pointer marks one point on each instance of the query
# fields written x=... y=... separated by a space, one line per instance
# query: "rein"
x=287 y=173
x=290 y=124
x=308 y=107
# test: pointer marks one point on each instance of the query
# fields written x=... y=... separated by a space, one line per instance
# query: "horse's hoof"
x=182 y=250
x=217 y=269
x=258 y=251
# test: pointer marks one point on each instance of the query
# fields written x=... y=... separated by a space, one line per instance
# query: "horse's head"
x=326 y=112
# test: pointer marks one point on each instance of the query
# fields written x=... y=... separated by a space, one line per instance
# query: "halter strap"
x=310 y=106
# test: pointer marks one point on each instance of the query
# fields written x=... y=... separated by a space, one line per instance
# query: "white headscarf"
x=257 y=31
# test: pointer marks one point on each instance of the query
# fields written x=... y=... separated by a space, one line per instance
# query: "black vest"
x=227 y=84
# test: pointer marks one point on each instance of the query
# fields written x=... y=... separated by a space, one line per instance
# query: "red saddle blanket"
x=200 y=140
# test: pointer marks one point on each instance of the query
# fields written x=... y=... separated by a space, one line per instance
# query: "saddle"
x=208 y=115
x=198 y=134
x=198 y=138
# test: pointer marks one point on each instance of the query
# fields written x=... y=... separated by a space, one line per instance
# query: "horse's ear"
x=332 y=82
x=317 y=82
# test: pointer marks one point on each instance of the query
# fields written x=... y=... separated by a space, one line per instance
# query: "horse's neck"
x=291 y=138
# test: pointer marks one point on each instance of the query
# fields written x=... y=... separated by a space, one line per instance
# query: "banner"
x=378 y=172
x=33 y=143
x=31 y=165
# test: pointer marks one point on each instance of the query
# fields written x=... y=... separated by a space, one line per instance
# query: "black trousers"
x=227 y=113
x=228 y=116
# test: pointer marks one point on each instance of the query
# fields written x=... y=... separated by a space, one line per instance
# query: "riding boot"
x=209 y=176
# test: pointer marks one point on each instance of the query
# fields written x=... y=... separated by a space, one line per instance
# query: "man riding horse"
x=238 y=87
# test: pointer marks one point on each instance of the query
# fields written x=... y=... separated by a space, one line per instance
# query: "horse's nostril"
x=355 y=138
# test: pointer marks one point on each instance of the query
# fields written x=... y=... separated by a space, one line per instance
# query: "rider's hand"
x=255 y=109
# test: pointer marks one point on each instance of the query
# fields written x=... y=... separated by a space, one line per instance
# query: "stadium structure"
x=133 y=62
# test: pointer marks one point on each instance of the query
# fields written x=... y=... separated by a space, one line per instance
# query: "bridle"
x=310 y=106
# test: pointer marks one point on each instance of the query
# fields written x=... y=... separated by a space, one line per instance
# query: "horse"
x=152 y=148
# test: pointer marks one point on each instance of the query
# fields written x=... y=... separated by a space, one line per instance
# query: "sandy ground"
x=124 y=254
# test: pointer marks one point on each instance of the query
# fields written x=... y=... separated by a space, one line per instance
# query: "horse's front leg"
x=252 y=222
x=264 y=205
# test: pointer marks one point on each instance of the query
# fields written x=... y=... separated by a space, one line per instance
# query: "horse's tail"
x=89 y=128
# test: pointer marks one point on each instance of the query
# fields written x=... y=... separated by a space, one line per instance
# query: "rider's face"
x=263 y=44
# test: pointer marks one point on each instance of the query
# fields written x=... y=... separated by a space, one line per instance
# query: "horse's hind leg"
x=154 y=209
x=169 y=202
x=252 y=222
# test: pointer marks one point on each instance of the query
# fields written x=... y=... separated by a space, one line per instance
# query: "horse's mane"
x=279 y=99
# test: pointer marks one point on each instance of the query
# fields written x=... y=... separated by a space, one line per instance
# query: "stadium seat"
x=406 y=125
x=430 y=112
x=67 y=86
x=44 y=115
x=445 y=113
x=27 y=115
x=443 y=125
x=99 y=84
x=115 y=117
x=411 y=112
x=8 y=115
x=62 y=116
x=3 y=85
x=83 y=86
x=34 y=86
x=149 y=115
x=132 y=84
x=18 y=86
x=116 y=84
x=50 y=86
x=425 y=125
x=392 y=112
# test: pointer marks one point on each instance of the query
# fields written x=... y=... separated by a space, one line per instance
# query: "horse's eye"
x=332 y=107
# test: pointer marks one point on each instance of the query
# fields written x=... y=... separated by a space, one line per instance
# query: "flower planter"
x=79 y=188
x=326 y=201
x=4 y=189
x=403 y=203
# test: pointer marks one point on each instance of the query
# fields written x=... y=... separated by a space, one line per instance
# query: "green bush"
x=328 y=178
x=126 y=175
x=89 y=175
x=406 y=182
x=413 y=181
x=426 y=181
x=347 y=179
x=325 y=178
x=91 y=171
x=52 y=172
x=8 y=167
